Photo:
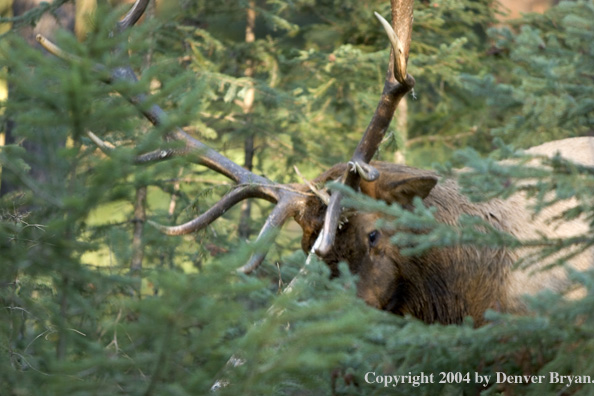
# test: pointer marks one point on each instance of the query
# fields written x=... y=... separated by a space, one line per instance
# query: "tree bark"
x=247 y=106
x=402 y=129
x=139 y=220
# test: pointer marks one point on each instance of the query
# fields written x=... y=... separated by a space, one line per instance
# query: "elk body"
x=442 y=285
x=447 y=284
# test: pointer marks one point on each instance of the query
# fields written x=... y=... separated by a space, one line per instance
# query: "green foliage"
x=75 y=320
x=546 y=91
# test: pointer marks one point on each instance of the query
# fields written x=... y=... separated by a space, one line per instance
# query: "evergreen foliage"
x=75 y=320
x=542 y=86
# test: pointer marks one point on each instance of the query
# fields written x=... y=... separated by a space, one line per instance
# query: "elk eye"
x=373 y=237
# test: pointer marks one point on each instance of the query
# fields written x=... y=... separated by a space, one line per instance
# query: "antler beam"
x=398 y=83
x=249 y=185
x=288 y=202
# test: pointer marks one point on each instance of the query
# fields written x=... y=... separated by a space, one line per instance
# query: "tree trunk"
x=247 y=106
x=48 y=25
x=402 y=130
x=139 y=220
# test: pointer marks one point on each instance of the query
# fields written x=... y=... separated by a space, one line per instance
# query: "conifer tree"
x=75 y=320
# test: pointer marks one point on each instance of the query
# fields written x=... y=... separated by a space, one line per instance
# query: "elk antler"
x=248 y=185
x=289 y=202
x=398 y=83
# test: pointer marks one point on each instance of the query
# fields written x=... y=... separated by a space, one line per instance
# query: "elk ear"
x=404 y=191
x=401 y=188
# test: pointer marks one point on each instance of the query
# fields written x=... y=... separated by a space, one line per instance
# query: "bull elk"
x=441 y=285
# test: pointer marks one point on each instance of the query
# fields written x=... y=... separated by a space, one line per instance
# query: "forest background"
x=94 y=300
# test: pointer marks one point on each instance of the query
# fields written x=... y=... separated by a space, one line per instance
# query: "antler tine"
x=133 y=15
x=249 y=185
x=156 y=115
x=146 y=158
x=233 y=197
x=397 y=50
x=283 y=211
x=397 y=84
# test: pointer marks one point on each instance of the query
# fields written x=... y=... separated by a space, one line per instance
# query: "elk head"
x=317 y=216
x=443 y=284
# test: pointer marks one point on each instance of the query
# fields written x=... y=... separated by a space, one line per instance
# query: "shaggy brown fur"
x=447 y=284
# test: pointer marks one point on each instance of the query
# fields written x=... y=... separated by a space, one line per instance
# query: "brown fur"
x=447 y=284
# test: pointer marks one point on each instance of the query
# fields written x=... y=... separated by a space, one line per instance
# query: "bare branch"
x=103 y=145
x=440 y=138
x=55 y=50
